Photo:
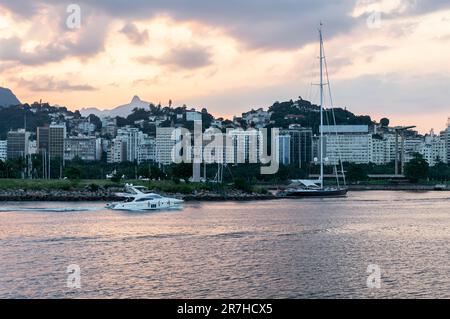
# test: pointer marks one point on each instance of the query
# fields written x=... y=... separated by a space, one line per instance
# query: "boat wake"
x=46 y=209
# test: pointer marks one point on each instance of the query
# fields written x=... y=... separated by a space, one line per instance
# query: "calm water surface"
x=311 y=248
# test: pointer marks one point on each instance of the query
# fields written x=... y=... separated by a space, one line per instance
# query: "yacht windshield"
x=146 y=198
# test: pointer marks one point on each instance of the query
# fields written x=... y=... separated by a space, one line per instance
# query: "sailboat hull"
x=316 y=193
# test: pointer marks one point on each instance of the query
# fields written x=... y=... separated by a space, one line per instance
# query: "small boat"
x=440 y=187
x=138 y=200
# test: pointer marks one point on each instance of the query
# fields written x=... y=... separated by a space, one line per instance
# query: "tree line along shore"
x=105 y=190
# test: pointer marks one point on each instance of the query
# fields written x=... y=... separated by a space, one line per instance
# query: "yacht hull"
x=316 y=193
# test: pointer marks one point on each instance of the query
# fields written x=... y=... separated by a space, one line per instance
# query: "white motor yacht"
x=138 y=200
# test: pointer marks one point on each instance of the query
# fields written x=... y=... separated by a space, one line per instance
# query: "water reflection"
x=283 y=249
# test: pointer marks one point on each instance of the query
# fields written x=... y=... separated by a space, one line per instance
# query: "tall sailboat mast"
x=316 y=188
x=321 y=107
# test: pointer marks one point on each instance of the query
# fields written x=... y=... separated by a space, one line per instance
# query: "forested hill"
x=308 y=115
x=15 y=117
x=283 y=114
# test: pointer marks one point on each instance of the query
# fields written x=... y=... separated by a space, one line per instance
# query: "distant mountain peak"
x=135 y=99
x=7 y=98
x=122 y=110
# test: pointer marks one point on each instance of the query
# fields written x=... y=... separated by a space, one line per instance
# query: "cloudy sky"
x=386 y=57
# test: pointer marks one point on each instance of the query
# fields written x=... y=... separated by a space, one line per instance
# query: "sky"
x=386 y=58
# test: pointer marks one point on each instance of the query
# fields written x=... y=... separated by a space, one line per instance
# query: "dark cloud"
x=184 y=57
x=23 y=8
x=258 y=23
x=49 y=84
x=134 y=35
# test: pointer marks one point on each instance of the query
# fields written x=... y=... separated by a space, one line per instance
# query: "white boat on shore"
x=138 y=200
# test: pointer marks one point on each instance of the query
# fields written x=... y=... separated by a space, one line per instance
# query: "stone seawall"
x=107 y=195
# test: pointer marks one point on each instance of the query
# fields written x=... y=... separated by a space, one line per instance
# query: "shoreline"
x=106 y=196
x=51 y=195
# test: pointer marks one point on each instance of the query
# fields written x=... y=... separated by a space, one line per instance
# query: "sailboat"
x=316 y=188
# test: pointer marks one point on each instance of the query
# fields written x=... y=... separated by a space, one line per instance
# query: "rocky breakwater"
x=57 y=195
x=101 y=194
x=231 y=195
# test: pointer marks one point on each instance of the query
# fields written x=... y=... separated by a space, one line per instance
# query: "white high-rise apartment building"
x=84 y=147
x=117 y=151
x=412 y=146
x=3 y=150
x=447 y=140
x=147 y=149
x=131 y=137
x=434 y=149
x=246 y=146
x=378 y=150
x=348 y=143
x=166 y=138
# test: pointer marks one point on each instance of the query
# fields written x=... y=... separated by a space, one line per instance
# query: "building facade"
x=56 y=137
x=117 y=151
x=284 y=149
x=447 y=140
x=42 y=134
x=85 y=148
x=244 y=146
x=434 y=149
x=17 y=144
x=3 y=150
x=166 y=138
x=301 y=148
x=347 y=143
x=131 y=137
x=147 y=149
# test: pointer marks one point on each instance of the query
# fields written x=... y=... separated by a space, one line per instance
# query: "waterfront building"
x=83 y=147
x=301 y=148
x=378 y=150
x=244 y=146
x=348 y=143
x=447 y=140
x=390 y=151
x=147 y=149
x=131 y=137
x=214 y=146
x=17 y=143
x=3 y=150
x=42 y=138
x=165 y=143
x=117 y=151
x=434 y=149
x=284 y=147
x=412 y=145
x=56 y=136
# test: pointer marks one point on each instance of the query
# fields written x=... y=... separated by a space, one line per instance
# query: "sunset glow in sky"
x=387 y=58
